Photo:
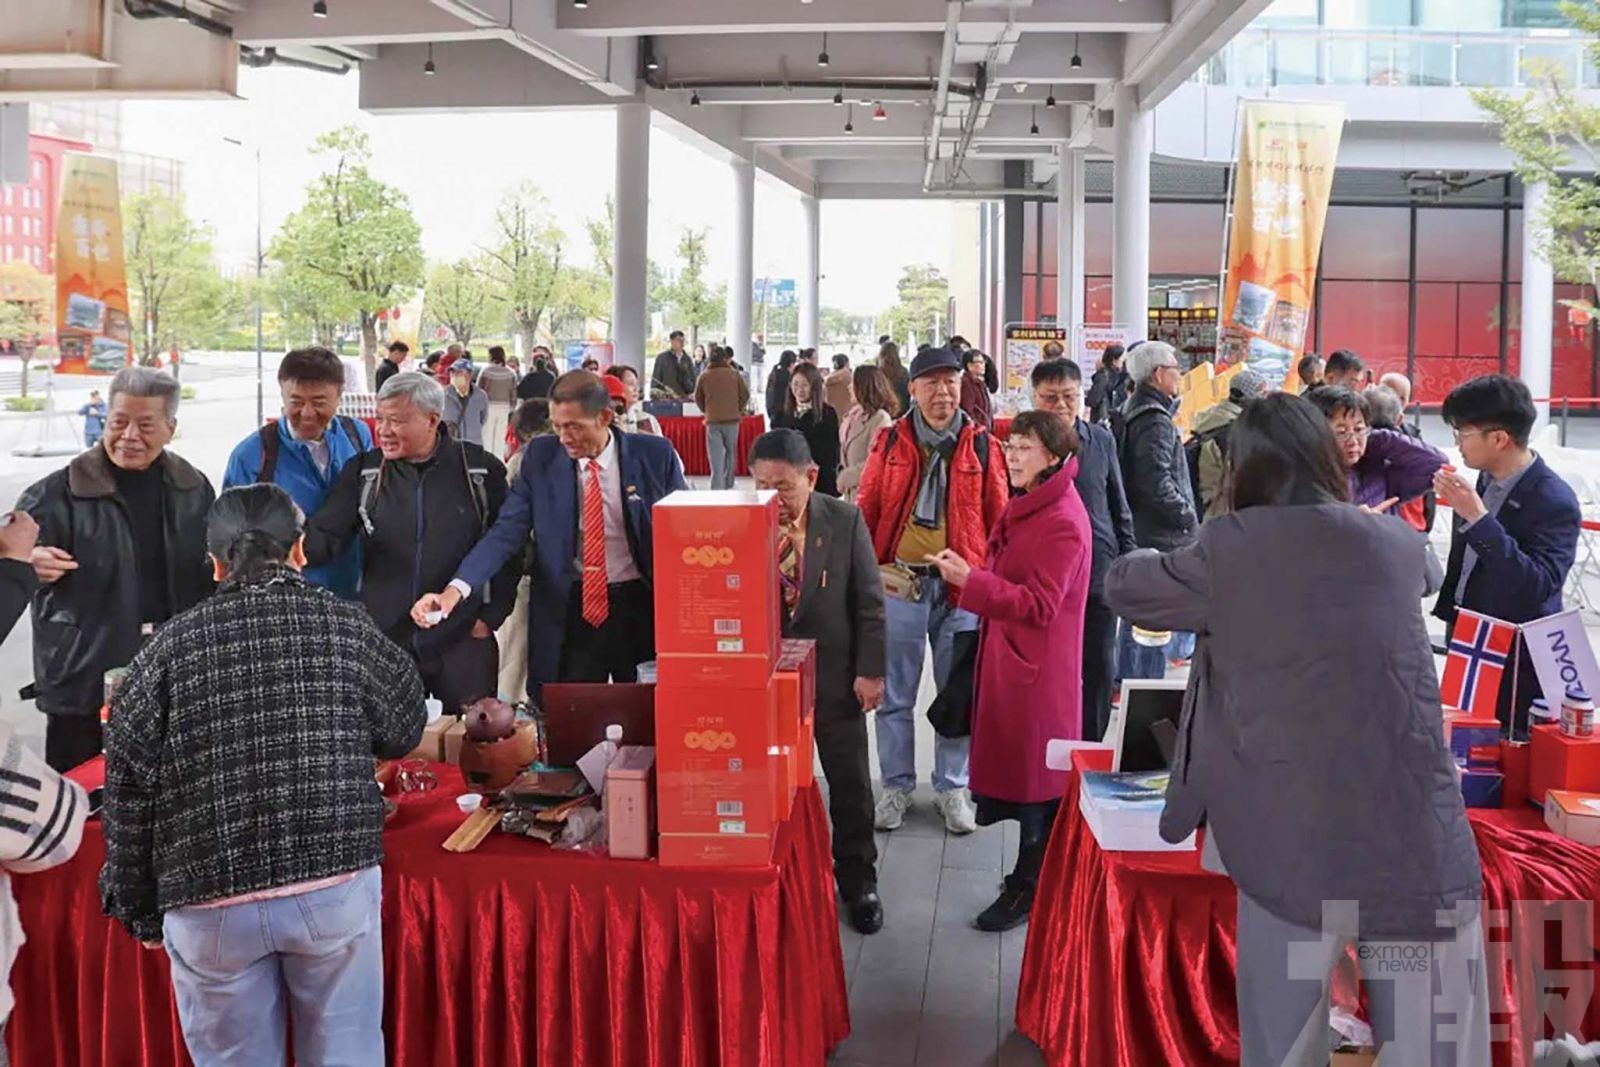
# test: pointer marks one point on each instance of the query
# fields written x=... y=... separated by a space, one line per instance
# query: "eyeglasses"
x=1352 y=435
x=1018 y=446
x=1460 y=433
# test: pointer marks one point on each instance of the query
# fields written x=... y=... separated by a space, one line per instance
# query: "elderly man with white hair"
x=1155 y=473
x=419 y=502
x=122 y=549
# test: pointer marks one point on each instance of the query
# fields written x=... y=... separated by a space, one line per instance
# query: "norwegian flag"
x=1480 y=647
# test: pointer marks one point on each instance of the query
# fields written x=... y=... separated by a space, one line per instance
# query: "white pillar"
x=811 y=274
x=630 y=235
x=741 y=284
x=1130 y=196
x=1069 y=240
x=1538 y=301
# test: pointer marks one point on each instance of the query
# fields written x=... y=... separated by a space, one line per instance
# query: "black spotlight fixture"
x=319 y=10
x=651 y=63
x=1050 y=98
x=694 y=98
x=822 y=56
x=850 y=120
x=428 y=67
x=580 y=4
x=1076 y=62
x=838 y=97
x=1034 y=129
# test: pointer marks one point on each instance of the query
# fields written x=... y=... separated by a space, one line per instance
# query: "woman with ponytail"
x=243 y=824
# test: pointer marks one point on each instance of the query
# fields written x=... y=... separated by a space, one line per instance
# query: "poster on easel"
x=1090 y=343
x=1024 y=348
x=92 y=324
x=1286 y=154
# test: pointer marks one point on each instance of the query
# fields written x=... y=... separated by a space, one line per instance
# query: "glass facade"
x=1432 y=291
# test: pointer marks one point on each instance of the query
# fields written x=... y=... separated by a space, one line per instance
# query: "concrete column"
x=1538 y=301
x=1130 y=197
x=811 y=275
x=741 y=284
x=13 y=144
x=1069 y=239
x=630 y=236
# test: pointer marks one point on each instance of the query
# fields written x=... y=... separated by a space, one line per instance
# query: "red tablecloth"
x=512 y=954
x=1130 y=955
x=688 y=435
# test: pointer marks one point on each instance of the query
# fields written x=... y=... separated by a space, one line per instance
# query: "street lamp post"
x=260 y=368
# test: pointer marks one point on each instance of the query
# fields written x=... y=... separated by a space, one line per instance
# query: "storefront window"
x=1366 y=242
x=1458 y=245
x=1367 y=317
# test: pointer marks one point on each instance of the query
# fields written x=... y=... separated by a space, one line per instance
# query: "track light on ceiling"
x=319 y=10
x=878 y=113
x=1050 y=98
x=838 y=97
x=651 y=63
x=428 y=67
x=822 y=56
x=580 y=4
x=694 y=98
x=1034 y=129
x=850 y=120
x=1076 y=62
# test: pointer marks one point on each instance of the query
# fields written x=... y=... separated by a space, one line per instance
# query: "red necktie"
x=595 y=605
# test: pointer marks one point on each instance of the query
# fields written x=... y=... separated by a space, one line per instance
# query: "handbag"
x=951 y=711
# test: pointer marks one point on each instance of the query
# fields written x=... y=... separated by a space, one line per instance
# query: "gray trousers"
x=722 y=447
x=1429 y=1001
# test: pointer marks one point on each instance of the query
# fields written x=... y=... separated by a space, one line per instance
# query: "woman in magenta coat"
x=1028 y=685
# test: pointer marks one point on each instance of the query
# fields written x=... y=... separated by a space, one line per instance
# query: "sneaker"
x=1010 y=908
x=890 y=813
x=956 y=807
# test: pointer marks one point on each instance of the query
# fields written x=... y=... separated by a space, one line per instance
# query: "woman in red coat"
x=1028 y=685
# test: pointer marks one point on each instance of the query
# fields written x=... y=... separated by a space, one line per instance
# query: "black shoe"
x=1010 y=908
x=866 y=912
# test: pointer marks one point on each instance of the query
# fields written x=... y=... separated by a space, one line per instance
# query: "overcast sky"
x=455 y=166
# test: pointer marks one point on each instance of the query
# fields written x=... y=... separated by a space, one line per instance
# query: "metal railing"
x=1261 y=58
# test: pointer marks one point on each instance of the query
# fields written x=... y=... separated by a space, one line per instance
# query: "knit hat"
x=1247 y=385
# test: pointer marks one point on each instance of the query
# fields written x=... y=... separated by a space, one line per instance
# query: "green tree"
x=175 y=293
x=584 y=293
x=524 y=264
x=687 y=298
x=356 y=231
x=838 y=327
x=924 y=294
x=310 y=305
x=27 y=310
x=1555 y=137
x=458 y=297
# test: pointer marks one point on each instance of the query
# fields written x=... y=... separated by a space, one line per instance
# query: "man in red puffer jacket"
x=933 y=480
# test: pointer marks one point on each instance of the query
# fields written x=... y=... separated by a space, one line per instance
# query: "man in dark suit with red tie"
x=585 y=496
x=832 y=593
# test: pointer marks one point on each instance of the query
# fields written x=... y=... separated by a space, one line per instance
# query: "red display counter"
x=688 y=435
x=514 y=953
x=1130 y=955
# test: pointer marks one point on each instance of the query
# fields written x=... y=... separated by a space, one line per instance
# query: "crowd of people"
x=343 y=574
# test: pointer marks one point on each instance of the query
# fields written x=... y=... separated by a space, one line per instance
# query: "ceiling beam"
x=1047 y=57
x=793 y=57
x=470 y=75
x=715 y=131
x=664 y=18
x=798 y=125
x=142 y=51
x=1157 y=63
x=349 y=22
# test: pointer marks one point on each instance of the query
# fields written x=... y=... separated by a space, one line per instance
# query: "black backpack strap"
x=269 y=454
x=348 y=424
x=476 y=475
x=371 y=484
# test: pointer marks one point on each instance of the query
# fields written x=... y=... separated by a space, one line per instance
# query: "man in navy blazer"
x=584 y=496
x=1515 y=533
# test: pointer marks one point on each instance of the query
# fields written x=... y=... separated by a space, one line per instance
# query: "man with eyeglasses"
x=1515 y=532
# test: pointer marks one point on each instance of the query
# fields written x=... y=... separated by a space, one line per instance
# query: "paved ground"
x=928 y=991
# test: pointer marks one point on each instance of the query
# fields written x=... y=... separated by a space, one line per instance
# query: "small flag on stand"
x=1480 y=648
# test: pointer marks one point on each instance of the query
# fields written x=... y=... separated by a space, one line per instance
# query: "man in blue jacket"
x=1515 y=533
x=303 y=452
x=591 y=611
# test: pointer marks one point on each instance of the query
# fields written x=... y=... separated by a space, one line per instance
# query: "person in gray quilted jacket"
x=1311 y=745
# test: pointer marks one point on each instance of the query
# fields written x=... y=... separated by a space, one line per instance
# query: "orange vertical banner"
x=91 y=275
x=1282 y=179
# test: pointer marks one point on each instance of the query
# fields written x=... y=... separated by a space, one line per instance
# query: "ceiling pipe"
x=270 y=56
x=941 y=99
x=868 y=86
x=164 y=9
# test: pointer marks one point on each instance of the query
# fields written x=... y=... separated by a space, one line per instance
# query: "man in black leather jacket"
x=122 y=549
x=1154 y=468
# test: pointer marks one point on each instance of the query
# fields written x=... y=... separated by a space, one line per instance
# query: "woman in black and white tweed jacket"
x=243 y=823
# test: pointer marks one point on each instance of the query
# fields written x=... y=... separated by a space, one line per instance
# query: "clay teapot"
x=490 y=720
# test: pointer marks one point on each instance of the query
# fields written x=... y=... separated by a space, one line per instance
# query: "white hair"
x=1150 y=357
x=1398 y=384
x=422 y=390
x=145 y=381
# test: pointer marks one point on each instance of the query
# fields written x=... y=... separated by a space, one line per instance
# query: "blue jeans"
x=241 y=973
x=1138 y=661
x=912 y=625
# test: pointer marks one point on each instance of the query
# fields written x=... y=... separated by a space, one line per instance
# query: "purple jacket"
x=1393 y=465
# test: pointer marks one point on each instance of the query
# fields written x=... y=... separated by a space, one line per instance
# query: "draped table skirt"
x=688 y=435
x=1130 y=955
x=513 y=954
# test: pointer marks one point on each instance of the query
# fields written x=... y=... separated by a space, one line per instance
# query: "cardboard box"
x=1472 y=739
x=782 y=757
x=716 y=850
x=454 y=735
x=1575 y=816
x=716 y=585
x=1514 y=764
x=714 y=769
x=441 y=741
x=1482 y=789
x=1362 y=1058
x=796 y=677
x=1559 y=762
x=630 y=803
x=675 y=670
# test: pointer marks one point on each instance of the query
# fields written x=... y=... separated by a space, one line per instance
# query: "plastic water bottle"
x=612 y=743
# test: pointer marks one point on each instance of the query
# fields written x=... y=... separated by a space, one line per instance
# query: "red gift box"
x=1515 y=765
x=1560 y=762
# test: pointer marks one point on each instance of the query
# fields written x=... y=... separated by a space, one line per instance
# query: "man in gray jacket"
x=466 y=406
